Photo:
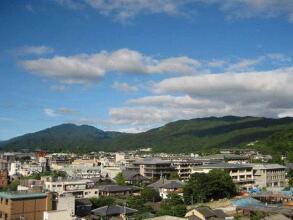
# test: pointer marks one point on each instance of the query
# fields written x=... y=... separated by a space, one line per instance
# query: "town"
x=231 y=184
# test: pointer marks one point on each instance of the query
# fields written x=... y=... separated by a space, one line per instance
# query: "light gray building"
x=269 y=175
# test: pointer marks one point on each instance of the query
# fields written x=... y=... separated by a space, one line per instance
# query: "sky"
x=132 y=65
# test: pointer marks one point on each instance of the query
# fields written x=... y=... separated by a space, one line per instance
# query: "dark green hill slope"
x=180 y=136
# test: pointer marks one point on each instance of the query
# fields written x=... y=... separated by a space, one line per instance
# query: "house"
x=165 y=187
x=241 y=174
x=269 y=175
x=112 y=212
x=205 y=213
x=133 y=177
x=152 y=168
x=114 y=190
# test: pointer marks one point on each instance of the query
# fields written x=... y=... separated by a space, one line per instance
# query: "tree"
x=173 y=206
x=290 y=157
x=149 y=194
x=102 y=201
x=174 y=175
x=202 y=187
x=120 y=180
x=12 y=186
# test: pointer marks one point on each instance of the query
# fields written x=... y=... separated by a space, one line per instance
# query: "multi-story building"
x=24 y=205
x=184 y=167
x=152 y=168
x=241 y=174
x=269 y=175
x=78 y=188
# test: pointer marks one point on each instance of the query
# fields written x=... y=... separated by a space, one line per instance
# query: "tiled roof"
x=112 y=210
x=117 y=188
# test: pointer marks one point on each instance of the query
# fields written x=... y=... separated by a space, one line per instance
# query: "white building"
x=78 y=188
x=57 y=215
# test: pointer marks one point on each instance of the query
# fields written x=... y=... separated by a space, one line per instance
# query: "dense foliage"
x=204 y=187
x=102 y=201
x=173 y=206
x=180 y=136
x=149 y=194
x=119 y=179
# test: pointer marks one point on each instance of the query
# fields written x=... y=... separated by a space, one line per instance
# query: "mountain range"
x=179 y=136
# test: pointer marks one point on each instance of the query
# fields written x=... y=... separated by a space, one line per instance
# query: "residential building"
x=184 y=167
x=152 y=168
x=165 y=187
x=114 y=190
x=78 y=188
x=269 y=175
x=205 y=213
x=241 y=174
x=24 y=205
x=133 y=177
x=114 y=211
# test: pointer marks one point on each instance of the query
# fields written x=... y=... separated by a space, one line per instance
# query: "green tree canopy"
x=120 y=180
x=202 y=187
x=173 y=206
x=150 y=195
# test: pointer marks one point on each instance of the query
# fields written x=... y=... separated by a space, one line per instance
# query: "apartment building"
x=78 y=188
x=24 y=205
x=152 y=168
x=269 y=175
x=241 y=174
x=184 y=167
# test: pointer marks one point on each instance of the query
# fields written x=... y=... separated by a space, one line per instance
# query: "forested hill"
x=179 y=136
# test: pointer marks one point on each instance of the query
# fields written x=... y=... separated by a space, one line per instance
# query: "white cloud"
x=50 y=112
x=254 y=8
x=124 y=10
x=86 y=68
x=60 y=111
x=266 y=93
x=33 y=50
x=125 y=87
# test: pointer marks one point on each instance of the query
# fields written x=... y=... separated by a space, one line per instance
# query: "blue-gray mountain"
x=179 y=136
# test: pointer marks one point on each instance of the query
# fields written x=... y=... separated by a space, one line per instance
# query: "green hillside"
x=180 y=136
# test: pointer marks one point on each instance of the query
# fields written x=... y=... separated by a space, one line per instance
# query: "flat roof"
x=22 y=195
x=225 y=166
x=151 y=160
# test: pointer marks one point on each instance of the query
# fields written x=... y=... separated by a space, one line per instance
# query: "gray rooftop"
x=268 y=166
x=226 y=166
x=151 y=160
x=22 y=195
x=112 y=210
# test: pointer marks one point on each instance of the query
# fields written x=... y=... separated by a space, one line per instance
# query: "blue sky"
x=133 y=65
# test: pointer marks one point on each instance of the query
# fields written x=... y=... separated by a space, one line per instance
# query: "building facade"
x=152 y=168
x=269 y=175
x=28 y=206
